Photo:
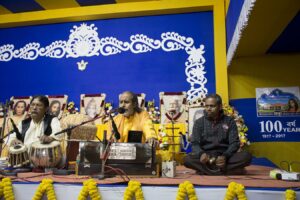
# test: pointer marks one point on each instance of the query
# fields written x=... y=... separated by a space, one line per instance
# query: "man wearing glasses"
x=38 y=127
x=215 y=142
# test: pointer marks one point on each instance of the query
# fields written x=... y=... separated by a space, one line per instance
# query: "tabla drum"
x=18 y=156
x=45 y=155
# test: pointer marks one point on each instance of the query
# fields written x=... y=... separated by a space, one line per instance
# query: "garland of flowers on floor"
x=235 y=190
x=45 y=186
x=133 y=189
x=290 y=194
x=186 y=188
x=6 y=189
x=89 y=188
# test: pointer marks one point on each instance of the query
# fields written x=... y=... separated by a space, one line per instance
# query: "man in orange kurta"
x=133 y=119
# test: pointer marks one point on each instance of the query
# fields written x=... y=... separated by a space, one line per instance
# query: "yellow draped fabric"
x=174 y=150
x=179 y=128
x=100 y=130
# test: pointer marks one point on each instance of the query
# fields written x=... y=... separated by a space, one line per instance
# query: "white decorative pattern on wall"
x=84 y=42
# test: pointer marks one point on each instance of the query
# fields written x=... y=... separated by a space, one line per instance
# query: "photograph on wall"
x=92 y=105
x=277 y=102
x=195 y=113
x=172 y=107
x=57 y=105
x=19 y=108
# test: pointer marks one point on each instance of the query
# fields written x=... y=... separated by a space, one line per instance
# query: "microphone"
x=16 y=130
x=114 y=127
x=115 y=131
x=120 y=110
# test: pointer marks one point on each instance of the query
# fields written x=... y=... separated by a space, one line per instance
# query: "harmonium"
x=131 y=158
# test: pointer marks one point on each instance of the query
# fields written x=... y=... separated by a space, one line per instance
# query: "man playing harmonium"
x=134 y=119
x=37 y=131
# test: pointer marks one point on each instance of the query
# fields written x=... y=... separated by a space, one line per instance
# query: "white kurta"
x=36 y=130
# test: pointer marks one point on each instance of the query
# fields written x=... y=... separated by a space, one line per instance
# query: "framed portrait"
x=20 y=106
x=195 y=112
x=141 y=100
x=57 y=105
x=92 y=104
x=173 y=107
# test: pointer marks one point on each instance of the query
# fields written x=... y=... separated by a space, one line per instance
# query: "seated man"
x=133 y=119
x=38 y=127
x=215 y=142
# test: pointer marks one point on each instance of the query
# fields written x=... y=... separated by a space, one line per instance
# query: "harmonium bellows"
x=132 y=158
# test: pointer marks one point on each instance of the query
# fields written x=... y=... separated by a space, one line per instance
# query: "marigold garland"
x=133 y=189
x=6 y=189
x=235 y=189
x=240 y=122
x=163 y=138
x=89 y=188
x=71 y=109
x=153 y=111
x=290 y=194
x=1 y=189
x=186 y=188
x=45 y=186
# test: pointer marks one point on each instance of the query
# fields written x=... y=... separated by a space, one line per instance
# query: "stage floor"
x=256 y=177
x=258 y=185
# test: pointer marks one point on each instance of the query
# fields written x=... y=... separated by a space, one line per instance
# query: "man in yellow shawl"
x=133 y=119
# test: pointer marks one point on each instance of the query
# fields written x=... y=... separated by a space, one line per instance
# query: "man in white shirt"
x=38 y=127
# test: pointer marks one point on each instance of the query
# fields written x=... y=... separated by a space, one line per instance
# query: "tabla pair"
x=40 y=155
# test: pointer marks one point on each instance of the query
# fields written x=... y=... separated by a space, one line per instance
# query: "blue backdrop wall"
x=27 y=71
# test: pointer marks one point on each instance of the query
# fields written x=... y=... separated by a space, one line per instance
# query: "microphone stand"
x=5 y=111
x=2 y=139
x=85 y=122
x=68 y=130
x=105 y=154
